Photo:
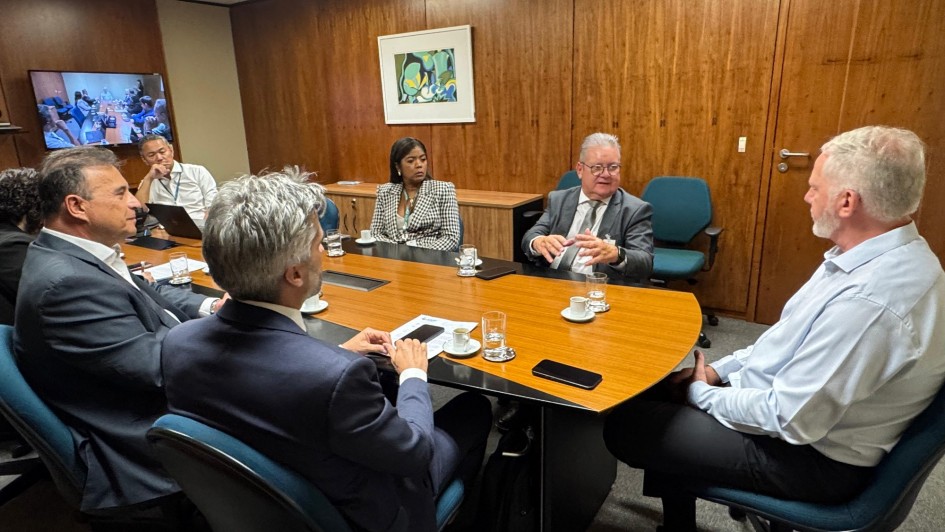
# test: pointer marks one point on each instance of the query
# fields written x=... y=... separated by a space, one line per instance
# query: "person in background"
x=253 y=372
x=82 y=104
x=173 y=183
x=597 y=226
x=20 y=220
x=815 y=404
x=106 y=95
x=52 y=126
x=160 y=123
x=415 y=209
x=147 y=109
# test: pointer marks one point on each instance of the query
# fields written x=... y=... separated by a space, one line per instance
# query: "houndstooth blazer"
x=433 y=224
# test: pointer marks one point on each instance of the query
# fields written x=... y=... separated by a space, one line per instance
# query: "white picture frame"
x=418 y=98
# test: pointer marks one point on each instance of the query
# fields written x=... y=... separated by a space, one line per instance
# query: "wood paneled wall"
x=104 y=36
x=677 y=81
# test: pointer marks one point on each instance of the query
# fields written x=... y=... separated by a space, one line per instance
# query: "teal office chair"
x=52 y=440
x=682 y=208
x=329 y=220
x=238 y=489
x=882 y=506
x=567 y=180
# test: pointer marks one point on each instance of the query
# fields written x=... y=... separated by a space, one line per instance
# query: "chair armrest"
x=713 y=233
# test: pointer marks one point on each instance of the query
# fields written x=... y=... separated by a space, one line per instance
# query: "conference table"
x=643 y=337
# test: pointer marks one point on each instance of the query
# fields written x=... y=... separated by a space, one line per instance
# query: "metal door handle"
x=785 y=153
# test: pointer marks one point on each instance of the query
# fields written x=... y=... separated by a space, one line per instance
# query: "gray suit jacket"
x=89 y=344
x=626 y=220
x=314 y=407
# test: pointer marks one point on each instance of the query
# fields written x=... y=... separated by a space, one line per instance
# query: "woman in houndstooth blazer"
x=415 y=209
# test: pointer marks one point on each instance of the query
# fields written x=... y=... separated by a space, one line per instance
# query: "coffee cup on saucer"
x=311 y=304
x=578 y=307
x=460 y=338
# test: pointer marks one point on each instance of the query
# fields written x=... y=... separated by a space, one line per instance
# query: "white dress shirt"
x=189 y=185
x=584 y=205
x=859 y=351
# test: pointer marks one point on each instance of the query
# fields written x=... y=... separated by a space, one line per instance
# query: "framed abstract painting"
x=427 y=76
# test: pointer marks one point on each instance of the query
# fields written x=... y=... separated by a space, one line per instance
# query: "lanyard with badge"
x=176 y=190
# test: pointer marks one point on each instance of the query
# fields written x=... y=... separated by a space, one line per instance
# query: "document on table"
x=434 y=345
x=163 y=271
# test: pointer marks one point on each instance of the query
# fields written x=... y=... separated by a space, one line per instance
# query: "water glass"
x=493 y=338
x=467 y=260
x=595 y=285
x=180 y=271
x=333 y=241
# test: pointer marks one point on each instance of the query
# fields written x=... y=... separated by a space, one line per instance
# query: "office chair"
x=682 y=208
x=567 y=180
x=239 y=489
x=52 y=440
x=462 y=232
x=882 y=506
x=329 y=220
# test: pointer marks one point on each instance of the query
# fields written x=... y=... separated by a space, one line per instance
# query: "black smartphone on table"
x=424 y=333
x=563 y=373
x=495 y=273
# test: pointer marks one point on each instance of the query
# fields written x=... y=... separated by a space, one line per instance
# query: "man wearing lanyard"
x=173 y=183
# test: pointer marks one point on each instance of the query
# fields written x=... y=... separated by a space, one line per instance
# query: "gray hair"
x=599 y=140
x=257 y=226
x=61 y=174
x=148 y=138
x=884 y=165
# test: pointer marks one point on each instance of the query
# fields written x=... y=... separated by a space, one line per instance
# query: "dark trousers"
x=462 y=430
x=678 y=445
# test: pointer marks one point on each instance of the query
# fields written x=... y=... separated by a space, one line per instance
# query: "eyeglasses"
x=598 y=169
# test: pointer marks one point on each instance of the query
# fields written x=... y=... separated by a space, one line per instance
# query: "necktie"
x=587 y=223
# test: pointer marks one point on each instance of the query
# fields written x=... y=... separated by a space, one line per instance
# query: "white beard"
x=827 y=224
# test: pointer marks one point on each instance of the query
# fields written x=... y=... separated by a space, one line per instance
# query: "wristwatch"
x=621 y=255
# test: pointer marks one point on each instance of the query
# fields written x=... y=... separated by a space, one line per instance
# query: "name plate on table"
x=356 y=282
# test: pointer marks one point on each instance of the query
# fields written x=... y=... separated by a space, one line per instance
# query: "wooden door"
x=848 y=64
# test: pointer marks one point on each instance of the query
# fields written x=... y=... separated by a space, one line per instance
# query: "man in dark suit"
x=253 y=372
x=88 y=333
x=20 y=220
x=597 y=226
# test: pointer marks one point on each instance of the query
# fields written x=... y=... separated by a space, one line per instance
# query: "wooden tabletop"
x=483 y=198
x=642 y=338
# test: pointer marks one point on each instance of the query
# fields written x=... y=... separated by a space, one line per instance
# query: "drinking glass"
x=333 y=238
x=180 y=272
x=493 y=338
x=467 y=260
x=595 y=285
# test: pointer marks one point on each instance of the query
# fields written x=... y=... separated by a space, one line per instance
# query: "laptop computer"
x=175 y=220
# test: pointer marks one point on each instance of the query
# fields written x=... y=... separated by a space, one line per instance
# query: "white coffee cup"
x=365 y=234
x=311 y=303
x=460 y=338
x=578 y=308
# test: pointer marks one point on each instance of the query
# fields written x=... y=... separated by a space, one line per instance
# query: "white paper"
x=163 y=271
x=434 y=345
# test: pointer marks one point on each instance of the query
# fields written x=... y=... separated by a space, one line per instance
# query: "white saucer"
x=472 y=347
x=478 y=261
x=322 y=305
x=566 y=314
x=364 y=242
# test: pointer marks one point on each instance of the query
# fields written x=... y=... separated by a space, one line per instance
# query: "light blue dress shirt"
x=859 y=351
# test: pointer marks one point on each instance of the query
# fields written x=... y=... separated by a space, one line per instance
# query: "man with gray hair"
x=88 y=333
x=808 y=410
x=597 y=226
x=252 y=370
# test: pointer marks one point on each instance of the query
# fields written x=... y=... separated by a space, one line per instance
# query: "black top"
x=13 y=245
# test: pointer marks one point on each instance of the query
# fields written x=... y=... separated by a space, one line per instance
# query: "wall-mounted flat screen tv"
x=103 y=108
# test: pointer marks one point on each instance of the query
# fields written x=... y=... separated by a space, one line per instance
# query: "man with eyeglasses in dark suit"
x=597 y=226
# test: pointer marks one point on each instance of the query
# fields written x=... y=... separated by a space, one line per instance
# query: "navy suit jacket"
x=89 y=345
x=627 y=220
x=314 y=407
